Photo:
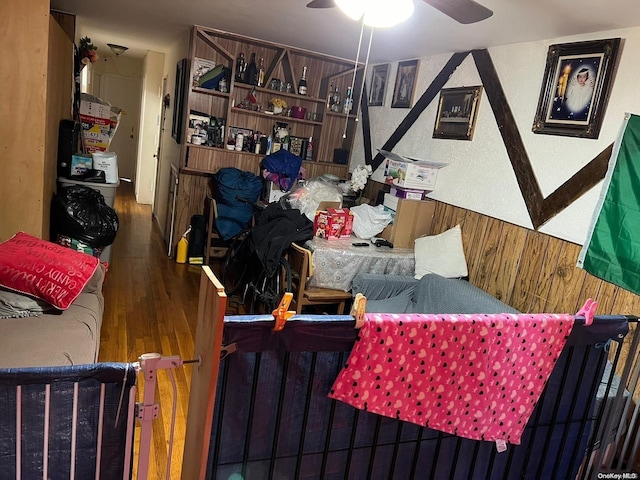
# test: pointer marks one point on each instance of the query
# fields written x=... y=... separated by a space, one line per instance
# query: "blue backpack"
x=234 y=215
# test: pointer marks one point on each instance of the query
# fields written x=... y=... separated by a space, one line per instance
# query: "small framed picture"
x=457 y=112
x=575 y=89
x=405 y=84
x=200 y=67
x=379 y=79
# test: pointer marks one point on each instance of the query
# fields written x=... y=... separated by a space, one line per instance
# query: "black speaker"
x=68 y=135
x=197 y=239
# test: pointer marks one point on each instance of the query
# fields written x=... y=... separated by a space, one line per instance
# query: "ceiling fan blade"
x=321 y=4
x=462 y=11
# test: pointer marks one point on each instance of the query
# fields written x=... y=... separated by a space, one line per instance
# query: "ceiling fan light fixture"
x=387 y=13
x=117 y=49
x=377 y=13
x=354 y=9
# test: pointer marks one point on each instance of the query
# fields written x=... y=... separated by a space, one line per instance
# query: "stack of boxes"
x=333 y=223
x=411 y=180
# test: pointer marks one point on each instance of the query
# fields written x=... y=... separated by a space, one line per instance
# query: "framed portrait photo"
x=457 y=113
x=379 y=78
x=575 y=89
x=405 y=84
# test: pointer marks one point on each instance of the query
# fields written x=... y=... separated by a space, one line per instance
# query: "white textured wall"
x=170 y=153
x=151 y=103
x=479 y=176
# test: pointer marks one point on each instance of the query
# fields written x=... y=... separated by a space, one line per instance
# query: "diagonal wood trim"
x=583 y=180
x=424 y=101
x=366 y=126
x=540 y=209
x=510 y=134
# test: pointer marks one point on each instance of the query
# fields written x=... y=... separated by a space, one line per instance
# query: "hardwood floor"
x=150 y=306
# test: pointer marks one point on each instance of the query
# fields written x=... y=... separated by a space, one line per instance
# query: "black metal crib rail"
x=273 y=419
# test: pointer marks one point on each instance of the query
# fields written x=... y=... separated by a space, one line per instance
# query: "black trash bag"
x=81 y=213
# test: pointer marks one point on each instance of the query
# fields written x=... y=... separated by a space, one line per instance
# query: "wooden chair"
x=301 y=269
x=215 y=246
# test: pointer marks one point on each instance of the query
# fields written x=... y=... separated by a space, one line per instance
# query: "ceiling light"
x=377 y=13
x=117 y=49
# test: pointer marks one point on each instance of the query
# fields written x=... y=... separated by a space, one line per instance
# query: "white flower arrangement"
x=359 y=177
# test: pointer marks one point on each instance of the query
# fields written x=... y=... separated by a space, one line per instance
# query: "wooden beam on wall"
x=424 y=101
x=540 y=209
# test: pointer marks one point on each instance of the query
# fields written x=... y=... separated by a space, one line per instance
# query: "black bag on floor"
x=81 y=213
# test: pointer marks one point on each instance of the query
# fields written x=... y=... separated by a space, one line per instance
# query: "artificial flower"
x=278 y=102
x=88 y=51
x=359 y=177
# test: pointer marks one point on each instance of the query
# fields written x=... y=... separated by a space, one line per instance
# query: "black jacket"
x=275 y=230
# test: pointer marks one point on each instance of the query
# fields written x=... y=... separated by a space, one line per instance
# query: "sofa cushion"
x=442 y=254
x=436 y=294
x=44 y=270
x=398 y=304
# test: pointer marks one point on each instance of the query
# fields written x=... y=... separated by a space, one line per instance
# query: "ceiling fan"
x=462 y=11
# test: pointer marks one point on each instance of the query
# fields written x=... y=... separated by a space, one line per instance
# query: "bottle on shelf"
x=336 y=104
x=302 y=84
x=261 y=73
x=330 y=97
x=241 y=67
x=251 y=75
x=309 y=154
x=348 y=102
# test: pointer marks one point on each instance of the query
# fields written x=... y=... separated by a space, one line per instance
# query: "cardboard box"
x=409 y=173
x=390 y=202
x=408 y=193
x=413 y=219
x=333 y=223
x=99 y=123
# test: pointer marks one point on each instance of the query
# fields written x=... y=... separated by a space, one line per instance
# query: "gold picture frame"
x=457 y=113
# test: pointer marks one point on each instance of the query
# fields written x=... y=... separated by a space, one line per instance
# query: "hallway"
x=150 y=306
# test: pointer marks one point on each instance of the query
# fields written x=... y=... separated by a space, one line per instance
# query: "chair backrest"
x=300 y=261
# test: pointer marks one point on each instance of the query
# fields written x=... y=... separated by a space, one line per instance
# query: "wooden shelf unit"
x=199 y=162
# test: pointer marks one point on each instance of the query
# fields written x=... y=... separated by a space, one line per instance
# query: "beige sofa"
x=71 y=337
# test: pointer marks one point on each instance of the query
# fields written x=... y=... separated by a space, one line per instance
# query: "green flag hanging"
x=612 y=249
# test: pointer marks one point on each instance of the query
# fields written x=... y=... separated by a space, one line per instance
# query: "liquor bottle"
x=330 y=97
x=309 y=153
x=302 y=84
x=252 y=71
x=348 y=102
x=241 y=67
x=336 y=104
x=261 y=72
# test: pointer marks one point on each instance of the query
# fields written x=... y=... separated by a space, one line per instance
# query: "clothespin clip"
x=358 y=308
x=282 y=313
x=588 y=310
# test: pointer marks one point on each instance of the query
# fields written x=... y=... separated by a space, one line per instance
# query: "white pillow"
x=442 y=254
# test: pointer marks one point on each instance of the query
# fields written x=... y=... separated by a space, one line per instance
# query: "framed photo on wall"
x=405 y=84
x=457 y=113
x=178 y=104
x=575 y=89
x=379 y=79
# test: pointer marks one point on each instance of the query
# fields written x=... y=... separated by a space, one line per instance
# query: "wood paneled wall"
x=37 y=78
x=532 y=271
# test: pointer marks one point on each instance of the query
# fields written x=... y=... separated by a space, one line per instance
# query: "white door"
x=124 y=92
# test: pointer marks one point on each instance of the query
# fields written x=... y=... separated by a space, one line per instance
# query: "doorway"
x=124 y=92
